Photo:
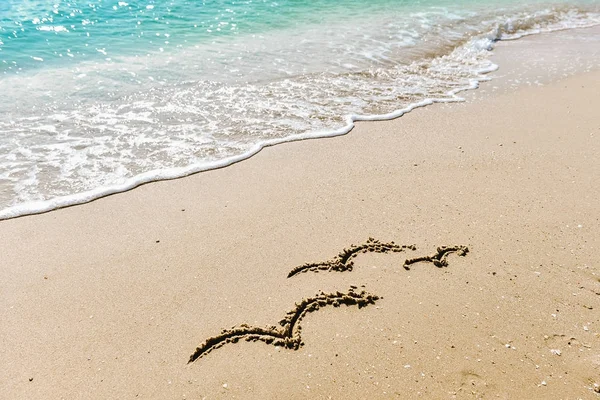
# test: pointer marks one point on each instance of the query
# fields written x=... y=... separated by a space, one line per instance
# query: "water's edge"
x=39 y=207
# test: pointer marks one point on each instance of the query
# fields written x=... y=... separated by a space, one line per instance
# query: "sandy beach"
x=109 y=300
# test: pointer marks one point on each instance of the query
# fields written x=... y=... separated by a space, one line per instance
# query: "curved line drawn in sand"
x=344 y=260
x=288 y=334
x=440 y=258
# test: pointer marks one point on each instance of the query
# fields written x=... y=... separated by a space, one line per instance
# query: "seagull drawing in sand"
x=288 y=333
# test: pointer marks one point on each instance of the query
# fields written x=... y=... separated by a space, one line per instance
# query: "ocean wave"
x=108 y=131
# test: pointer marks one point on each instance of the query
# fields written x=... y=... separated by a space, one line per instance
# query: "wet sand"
x=111 y=299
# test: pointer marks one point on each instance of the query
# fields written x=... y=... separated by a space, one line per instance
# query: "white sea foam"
x=36 y=207
x=50 y=28
x=102 y=129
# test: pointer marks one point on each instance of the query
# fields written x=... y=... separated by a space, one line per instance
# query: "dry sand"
x=110 y=299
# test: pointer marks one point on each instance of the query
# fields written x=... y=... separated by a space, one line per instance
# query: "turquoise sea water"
x=99 y=96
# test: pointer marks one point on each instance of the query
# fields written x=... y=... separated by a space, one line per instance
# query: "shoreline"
x=109 y=299
x=56 y=203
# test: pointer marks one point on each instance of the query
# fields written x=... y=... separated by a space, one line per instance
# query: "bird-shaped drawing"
x=288 y=334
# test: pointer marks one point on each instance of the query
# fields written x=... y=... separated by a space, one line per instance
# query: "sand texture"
x=451 y=253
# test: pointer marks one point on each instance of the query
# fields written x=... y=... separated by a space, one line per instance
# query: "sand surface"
x=110 y=299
